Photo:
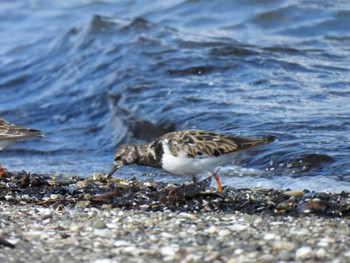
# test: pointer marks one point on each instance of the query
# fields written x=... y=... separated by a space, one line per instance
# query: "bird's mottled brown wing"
x=9 y=131
x=205 y=143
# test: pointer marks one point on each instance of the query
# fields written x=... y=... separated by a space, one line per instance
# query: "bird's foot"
x=217 y=179
x=2 y=172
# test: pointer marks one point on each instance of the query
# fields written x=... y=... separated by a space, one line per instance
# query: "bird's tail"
x=245 y=143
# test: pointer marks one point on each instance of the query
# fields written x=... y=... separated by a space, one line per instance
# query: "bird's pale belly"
x=183 y=165
x=5 y=144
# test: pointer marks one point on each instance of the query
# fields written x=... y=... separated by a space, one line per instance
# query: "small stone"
x=99 y=225
x=9 y=197
x=104 y=260
x=188 y=216
x=121 y=243
x=102 y=232
x=213 y=256
x=106 y=206
x=148 y=183
x=238 y=227
x=87 y=196
x=82 y=184
x=277 y=223
x=238 y=251
x=285 y=255
x=75 y=228
x=266 y=258
x=321 y=253
x=271 y=236
x=258 y=221
x=224 y=233
x=168 y=251
x=212 y=230
x=192 y=258
x=56 y=196
x=293 y=193
x=130 y=249
x=303 y=253
x=82 y=204
x=283 y=245
x=326 y=241
x=46 y=217
x=167 y=235
x=111 y=225
x=300 y=232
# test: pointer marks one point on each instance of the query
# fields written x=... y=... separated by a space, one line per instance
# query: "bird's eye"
x=118 y=158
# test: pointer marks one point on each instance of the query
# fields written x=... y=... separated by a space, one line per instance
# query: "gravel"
x=59 y=219
x=68 y=234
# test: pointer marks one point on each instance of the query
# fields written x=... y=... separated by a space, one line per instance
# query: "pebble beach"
x=116 y=235
x=88 y=222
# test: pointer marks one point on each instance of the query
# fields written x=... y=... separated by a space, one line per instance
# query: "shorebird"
x=187 y=152
x=10 y=133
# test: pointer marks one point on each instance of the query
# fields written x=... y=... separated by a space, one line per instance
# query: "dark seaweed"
x=49 y=190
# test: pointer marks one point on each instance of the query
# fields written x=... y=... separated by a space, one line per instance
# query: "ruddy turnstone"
x=188 y=152
x=10 y=133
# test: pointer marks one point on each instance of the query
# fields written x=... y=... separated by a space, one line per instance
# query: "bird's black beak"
x=115 y=168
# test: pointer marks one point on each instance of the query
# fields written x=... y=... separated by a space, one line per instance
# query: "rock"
x=266 y=258
x=188 y=216
x=293 y=193
x=303 y=253
x=300 y=232
x=285 y=255
x=321 y=253
x=10 y=197
x=212 y=230
x=224 y=233
x=82 y=204
x=121 y=243
x=238 y=227
x=283 y=245
x=99 y=224
x=324 y=242
x=271 y=236
x=104 y=260
x=168 y=251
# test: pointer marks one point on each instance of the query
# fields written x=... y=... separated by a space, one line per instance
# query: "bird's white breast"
x=184 y=165
x=5 y=144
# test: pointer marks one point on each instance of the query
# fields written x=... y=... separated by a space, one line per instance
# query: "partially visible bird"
x=10 y=133
x=188 y=152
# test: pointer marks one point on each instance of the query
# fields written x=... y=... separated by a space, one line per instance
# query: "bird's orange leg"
x=2 y=172
x=217 y=179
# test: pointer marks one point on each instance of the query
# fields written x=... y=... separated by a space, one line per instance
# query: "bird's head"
x=124 y=155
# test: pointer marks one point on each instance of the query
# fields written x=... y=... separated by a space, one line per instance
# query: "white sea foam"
x=247 y=178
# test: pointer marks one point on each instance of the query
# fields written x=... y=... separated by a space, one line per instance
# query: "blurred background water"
x=95 y=74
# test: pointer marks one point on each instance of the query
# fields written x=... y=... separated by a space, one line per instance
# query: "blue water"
x=96 y=74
